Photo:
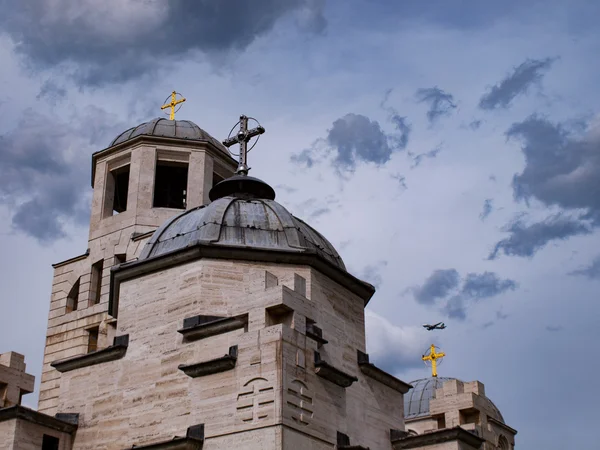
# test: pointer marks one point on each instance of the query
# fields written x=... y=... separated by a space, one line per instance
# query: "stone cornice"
x=193 y=440
x=377 y=374
x=71 y=260
x=115 y=351
x=331 y=373
x=438 y=437
x=179 y=142
x=29 y=415
x=502 y=425
x=134 y=269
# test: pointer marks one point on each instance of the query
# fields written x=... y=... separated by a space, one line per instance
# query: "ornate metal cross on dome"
x=172 y=104
x=243 y=137
x=432 y=357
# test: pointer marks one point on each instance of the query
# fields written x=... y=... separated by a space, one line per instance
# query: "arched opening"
x=503 y=443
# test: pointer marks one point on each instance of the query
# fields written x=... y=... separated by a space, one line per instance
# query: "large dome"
x=416 y=400
x=238 y=221
x=180 y=129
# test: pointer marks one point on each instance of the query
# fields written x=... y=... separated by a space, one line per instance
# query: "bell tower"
x=146 y=175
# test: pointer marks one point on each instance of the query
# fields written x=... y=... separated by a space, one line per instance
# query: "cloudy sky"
x=449 y=150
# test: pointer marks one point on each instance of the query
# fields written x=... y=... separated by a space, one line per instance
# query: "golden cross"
x=433 y=357
x=173 y=104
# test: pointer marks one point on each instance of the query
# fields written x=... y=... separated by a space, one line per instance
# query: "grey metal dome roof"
x=181 y=129
x=416 y=400
x=235 y=221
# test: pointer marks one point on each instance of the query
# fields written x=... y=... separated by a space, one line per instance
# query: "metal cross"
x=243 y=137
x=433 y=357
x=174 y=102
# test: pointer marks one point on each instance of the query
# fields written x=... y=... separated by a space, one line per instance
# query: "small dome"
x=180 y=129
x=416 y=400
x=239 y=221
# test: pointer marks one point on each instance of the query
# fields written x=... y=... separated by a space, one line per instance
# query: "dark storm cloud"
x=437 y=286
x=526 y=240
x=486 y=285
x=592 y=271
x=44 y=167
x=487 y=209
x=443 y=287
x=562 y=168
x=440 y=103
x=355 y=138
x=112 y=41
x=518 y=82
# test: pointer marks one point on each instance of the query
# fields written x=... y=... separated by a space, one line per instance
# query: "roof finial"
x=432 y=356
x=173 y=103
x=243 y=137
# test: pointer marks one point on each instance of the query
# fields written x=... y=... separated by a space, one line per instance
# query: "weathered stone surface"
x=14 y=382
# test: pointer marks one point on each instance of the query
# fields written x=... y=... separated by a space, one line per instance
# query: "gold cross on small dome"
x=172 y=104
x=432 y=357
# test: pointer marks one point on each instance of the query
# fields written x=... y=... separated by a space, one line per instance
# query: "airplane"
x=437 y=326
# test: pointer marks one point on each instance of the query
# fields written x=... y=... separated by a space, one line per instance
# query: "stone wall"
x=144 y=397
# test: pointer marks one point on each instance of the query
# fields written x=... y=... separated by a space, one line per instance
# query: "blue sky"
x=449 y=150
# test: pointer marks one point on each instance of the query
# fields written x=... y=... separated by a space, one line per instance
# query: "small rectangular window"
x=73 y=297
x=170 y=184
x=93 y=339
x=50 y=442
x=96 y=282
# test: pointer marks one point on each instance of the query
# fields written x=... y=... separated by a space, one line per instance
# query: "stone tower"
x=145 y=176
x=205 y=315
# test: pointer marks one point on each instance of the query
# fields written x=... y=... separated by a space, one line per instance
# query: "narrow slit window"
x=92 y=339
x=96 y=282
x=170 y=185
x=121 y=189
x=73 y=297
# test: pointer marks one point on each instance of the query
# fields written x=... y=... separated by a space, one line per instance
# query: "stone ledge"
x=316 y=334
x=193 y=440
x=71 y=260
x=200 y=327
x=377 y=374
x=114 y=352
x=29 y=415
x=330 y=373
x=434 y=438
x=343 y=443
x=217 y=365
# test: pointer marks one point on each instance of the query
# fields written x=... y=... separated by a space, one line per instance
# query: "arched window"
x=503 y=443
x=73 y=297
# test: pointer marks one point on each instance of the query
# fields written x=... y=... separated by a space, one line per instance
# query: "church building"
x=204 y=315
